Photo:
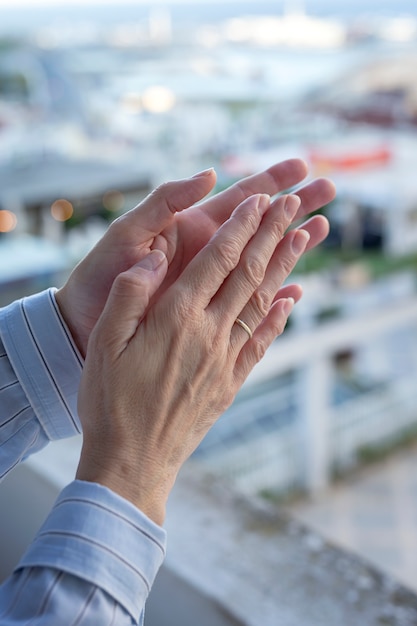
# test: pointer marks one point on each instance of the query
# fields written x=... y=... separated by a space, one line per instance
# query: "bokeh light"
x=158 y=99
x=62 y=210
x=8 y=221
x=113 y=200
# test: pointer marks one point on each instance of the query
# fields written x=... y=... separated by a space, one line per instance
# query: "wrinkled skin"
x=173 y=220
x=166 y=357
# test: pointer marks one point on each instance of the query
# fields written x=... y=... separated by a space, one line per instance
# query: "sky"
x=56 y=3
x=401 y=6
x=43 y=3
x=39 y=3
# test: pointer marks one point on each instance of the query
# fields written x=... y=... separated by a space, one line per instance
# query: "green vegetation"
x=9 y=43
x=374 y=262
x=14 y=85
x=366 y=455
x=373 y=454
x=283 y=498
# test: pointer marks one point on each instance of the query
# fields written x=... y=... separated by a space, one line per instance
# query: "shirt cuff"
x=100 y=537
x=46 y=361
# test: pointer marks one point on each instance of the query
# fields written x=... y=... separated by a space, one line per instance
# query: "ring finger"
x=284 y=259
x=249 y=273
x=317 y=228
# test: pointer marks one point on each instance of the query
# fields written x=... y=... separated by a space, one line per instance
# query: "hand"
x=155 y=225
x=157 y=377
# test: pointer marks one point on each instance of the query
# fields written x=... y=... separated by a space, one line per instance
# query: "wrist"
x=63 y=300
x=128 y=481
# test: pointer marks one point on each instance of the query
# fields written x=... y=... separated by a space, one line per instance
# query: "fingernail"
x=292 y=204
x=204 y=172
x=264 y=201
x=300 y=241
x=152 y=261
x=288 y=306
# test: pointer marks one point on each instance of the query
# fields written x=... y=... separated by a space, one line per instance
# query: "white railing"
x=295 y=435
x=374 y=420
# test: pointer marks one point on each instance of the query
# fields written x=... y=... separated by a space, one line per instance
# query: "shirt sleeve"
x=95 y=558
x=93 y=562
x=40 y=369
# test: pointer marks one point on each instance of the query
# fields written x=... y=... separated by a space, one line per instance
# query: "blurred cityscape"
x=95 y=112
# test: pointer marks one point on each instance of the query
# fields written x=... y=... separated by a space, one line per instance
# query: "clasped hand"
x=171 y=220
x=166 y=357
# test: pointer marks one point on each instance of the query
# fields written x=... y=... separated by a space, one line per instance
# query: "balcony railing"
x=295 y=424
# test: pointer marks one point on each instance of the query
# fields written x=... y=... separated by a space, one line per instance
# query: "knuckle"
x=259 y=348
x=247 y=220
x=251 y=220
x=216 y=342
x=261 y=300
x=164 y=193
x=228 y=254
x=212 y=342
x=126 y=282
x=185 y=313
x=287 y=264
x=278 y=229
x=117 y=224
x=254 y=269
x=209 y=347
x=280 y=327
x=161 y=190
x=182 y=305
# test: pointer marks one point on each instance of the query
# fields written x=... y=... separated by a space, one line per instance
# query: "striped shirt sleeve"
x=40 y=369
x=92 y=562
x=95 y=558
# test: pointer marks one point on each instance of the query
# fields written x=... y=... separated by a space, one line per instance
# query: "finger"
x=270 y=328
x=283 y=261
x=294 y=291
x=315 y=195
x=318 y=228
x=205 y=274
x=253 y=264
x=128 y=300
x=155 y=212
x=275 y=179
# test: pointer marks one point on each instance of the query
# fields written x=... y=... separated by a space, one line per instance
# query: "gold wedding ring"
x=244 y=326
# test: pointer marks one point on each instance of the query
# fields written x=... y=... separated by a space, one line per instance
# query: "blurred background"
x=101 y=102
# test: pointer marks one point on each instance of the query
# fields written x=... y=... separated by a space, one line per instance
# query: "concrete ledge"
x=231 y=561
x=265 y=568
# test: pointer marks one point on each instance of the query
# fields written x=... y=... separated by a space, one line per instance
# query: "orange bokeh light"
x=62 y=210
x=8 y=221
x=113 y=200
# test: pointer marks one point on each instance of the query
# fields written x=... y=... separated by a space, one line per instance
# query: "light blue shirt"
x=96 y=556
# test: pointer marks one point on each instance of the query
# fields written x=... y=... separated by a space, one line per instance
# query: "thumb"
x=128 y=301
x=156 y=211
